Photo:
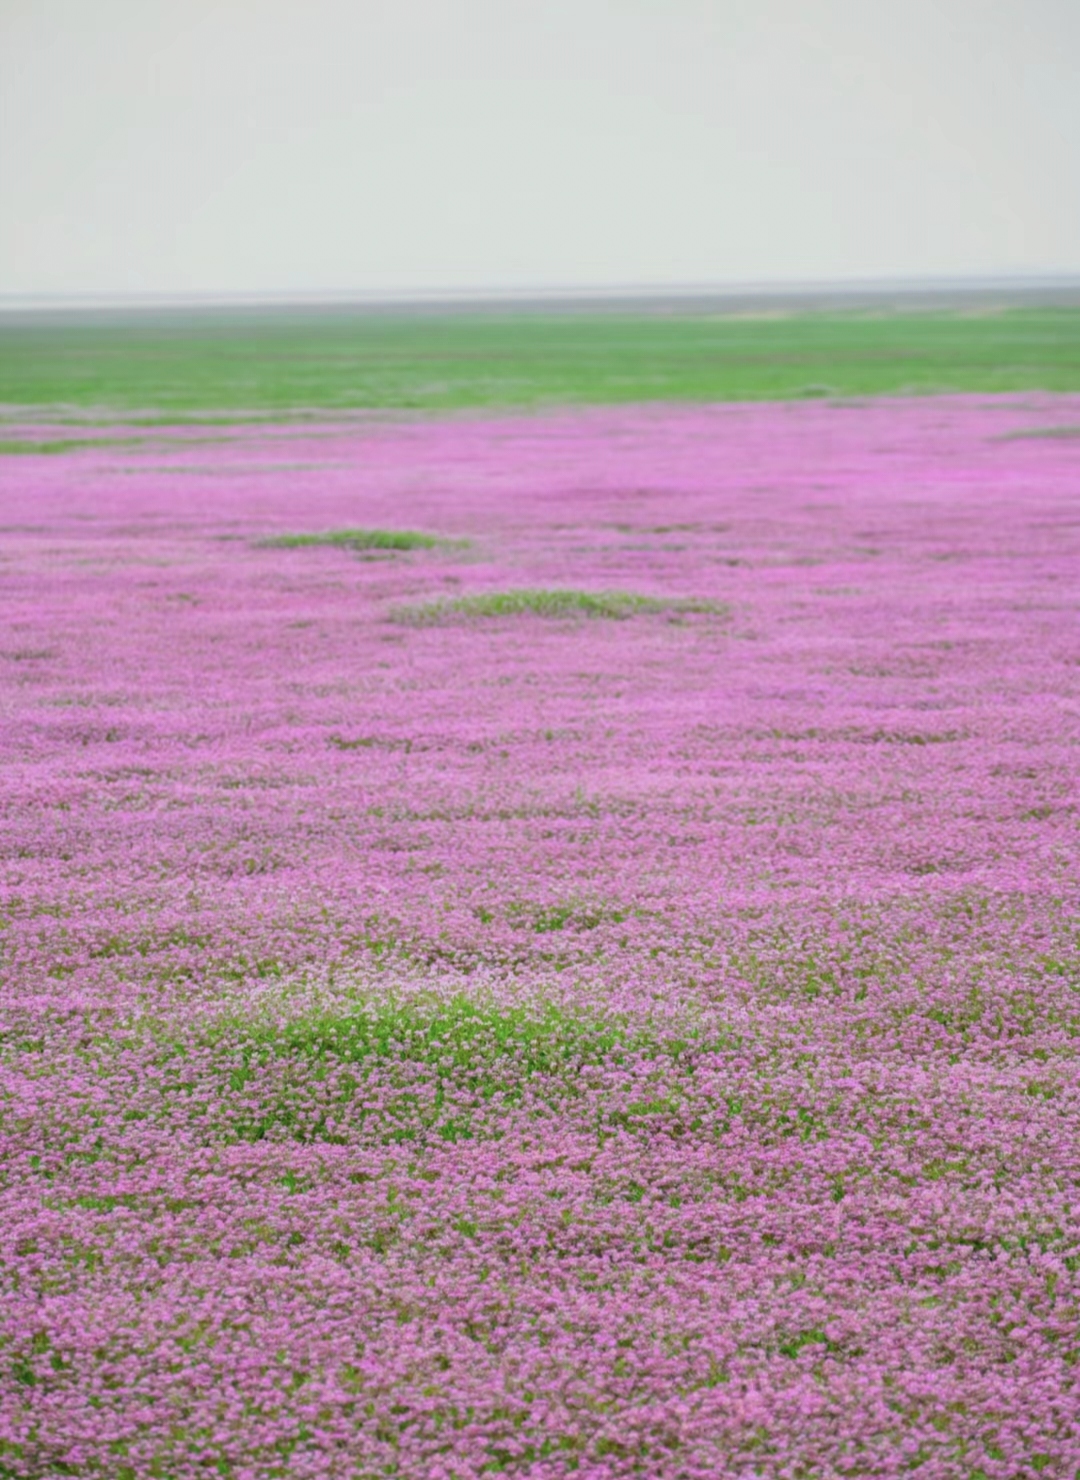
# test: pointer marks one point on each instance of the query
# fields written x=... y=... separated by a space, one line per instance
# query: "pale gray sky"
x=264 y=146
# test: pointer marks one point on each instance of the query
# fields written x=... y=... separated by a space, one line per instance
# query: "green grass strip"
x=291 y=362
x=556 y=602
x=361 y=539
x=21 y=447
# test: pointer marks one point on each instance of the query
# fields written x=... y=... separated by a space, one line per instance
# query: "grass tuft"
x=362 y=539
x=1063 y=433
x=614 y=605
x=23 y=447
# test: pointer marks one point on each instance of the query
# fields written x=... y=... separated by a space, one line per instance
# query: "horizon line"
x=808 y=292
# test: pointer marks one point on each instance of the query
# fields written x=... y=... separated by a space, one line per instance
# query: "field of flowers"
x=543 y=945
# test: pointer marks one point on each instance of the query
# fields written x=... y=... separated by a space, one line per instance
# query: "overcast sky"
x=276 y=146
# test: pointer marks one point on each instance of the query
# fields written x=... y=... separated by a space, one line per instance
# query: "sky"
x=277 y=147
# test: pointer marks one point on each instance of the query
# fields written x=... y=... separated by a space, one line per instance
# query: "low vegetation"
x=554 y=602
x=361 y=539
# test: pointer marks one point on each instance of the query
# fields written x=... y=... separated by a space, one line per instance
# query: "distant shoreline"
x=731 y=300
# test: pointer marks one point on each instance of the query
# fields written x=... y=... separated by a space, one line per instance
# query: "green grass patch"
x=453 y=1034
x=23 y=447
x=460 y=1033
x=361 y=539
x=1063 y=433
x=551 y=603
x=304 y=1076
x=568 y=915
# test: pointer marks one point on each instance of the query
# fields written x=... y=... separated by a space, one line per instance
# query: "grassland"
x=223 y=364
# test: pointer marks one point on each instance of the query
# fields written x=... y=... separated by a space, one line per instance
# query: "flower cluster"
x=604 y=1037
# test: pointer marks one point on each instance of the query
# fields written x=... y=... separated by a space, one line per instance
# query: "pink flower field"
x=593 y=992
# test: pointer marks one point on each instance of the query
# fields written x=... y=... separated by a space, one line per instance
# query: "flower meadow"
x=543 y=945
